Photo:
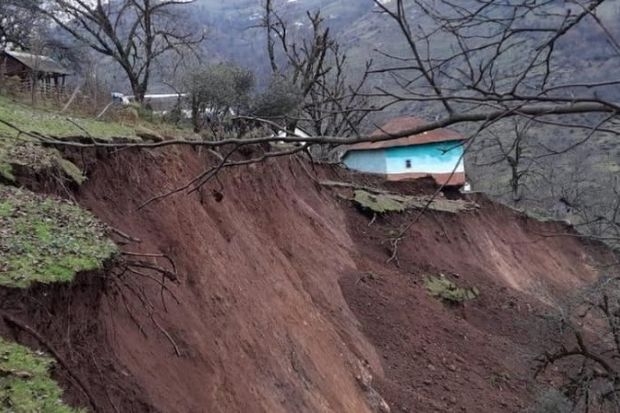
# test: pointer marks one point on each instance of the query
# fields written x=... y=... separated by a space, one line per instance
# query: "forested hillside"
x=568 y=173
x=234 y=34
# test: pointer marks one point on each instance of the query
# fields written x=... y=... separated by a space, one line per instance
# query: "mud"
x=284 y=302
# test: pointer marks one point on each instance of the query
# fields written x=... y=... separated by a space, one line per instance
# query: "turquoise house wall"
x=372 y=161
x=433 y=158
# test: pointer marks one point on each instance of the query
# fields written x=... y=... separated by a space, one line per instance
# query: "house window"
x=408 y=163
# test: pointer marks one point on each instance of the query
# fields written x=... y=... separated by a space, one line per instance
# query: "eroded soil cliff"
x=283 y=301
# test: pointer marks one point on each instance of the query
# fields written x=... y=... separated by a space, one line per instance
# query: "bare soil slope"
x=478 y=357
x=284 y=301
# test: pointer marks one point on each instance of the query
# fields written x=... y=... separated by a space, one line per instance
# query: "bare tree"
x=586 y=357
x=135 y=33
x=496 y=57
x=17 y=24
x=594 y=217
x=481 y=63
x=330 y=104
x=510 y=146
x=472 y=64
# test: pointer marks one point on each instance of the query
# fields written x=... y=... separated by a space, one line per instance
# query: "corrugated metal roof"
x=39 y=63
x=398 y=125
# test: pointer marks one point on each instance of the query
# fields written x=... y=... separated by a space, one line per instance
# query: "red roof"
x=401 y=124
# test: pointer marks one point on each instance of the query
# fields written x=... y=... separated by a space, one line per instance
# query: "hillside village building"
x=45 y=72
x=437 y=153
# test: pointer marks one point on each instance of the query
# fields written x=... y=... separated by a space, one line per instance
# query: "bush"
x=448 y=291
x=281 y=98
x=216 y=90
x=551 y=401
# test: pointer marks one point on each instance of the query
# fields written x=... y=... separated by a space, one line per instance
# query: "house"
x=49 y=74
x=437 y=153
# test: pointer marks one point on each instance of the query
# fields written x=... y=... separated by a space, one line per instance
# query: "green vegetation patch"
x=34 y=157
x=383 y=202
x=25 y=383
x=440 y=204
x=39 y=121
x=441 y=287
x=380 y=203
x=47 y=240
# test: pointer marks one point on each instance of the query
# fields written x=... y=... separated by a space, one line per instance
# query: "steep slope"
x=478 y=357
x=283 y=301
x=260 y=322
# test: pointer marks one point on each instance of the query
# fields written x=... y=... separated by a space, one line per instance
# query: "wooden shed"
x=47 y=74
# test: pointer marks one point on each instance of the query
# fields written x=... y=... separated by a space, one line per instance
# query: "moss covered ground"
x=47 y=240
x=42 y=239
x=18 y=149
x=25 y=382
x=382 y=202
x=35 y=158
x=444 y=289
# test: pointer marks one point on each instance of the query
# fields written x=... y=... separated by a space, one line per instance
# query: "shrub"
x=448 y=291
x=551 y=401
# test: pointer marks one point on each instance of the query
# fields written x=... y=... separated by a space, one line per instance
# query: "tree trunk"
x=138 y=91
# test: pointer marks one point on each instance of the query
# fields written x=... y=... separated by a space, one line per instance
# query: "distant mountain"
x=585 y=174
x=233 y=34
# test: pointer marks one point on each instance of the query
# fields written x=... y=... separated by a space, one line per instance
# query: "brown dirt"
x=477 y=357
x=70 y=320
x=276 y=309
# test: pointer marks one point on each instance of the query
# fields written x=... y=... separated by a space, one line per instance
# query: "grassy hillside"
x=46 y=240
x=43 y=240
x=17 y=149
x=25 y=383
x=50 y=123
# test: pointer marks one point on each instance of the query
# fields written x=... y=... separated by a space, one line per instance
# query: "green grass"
x=35 y=158
x=25 y=150
x=52 y=124
x=25 y=383
x=46 y=240
x=6 y=170
x=42 y=240
x=22 y=150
